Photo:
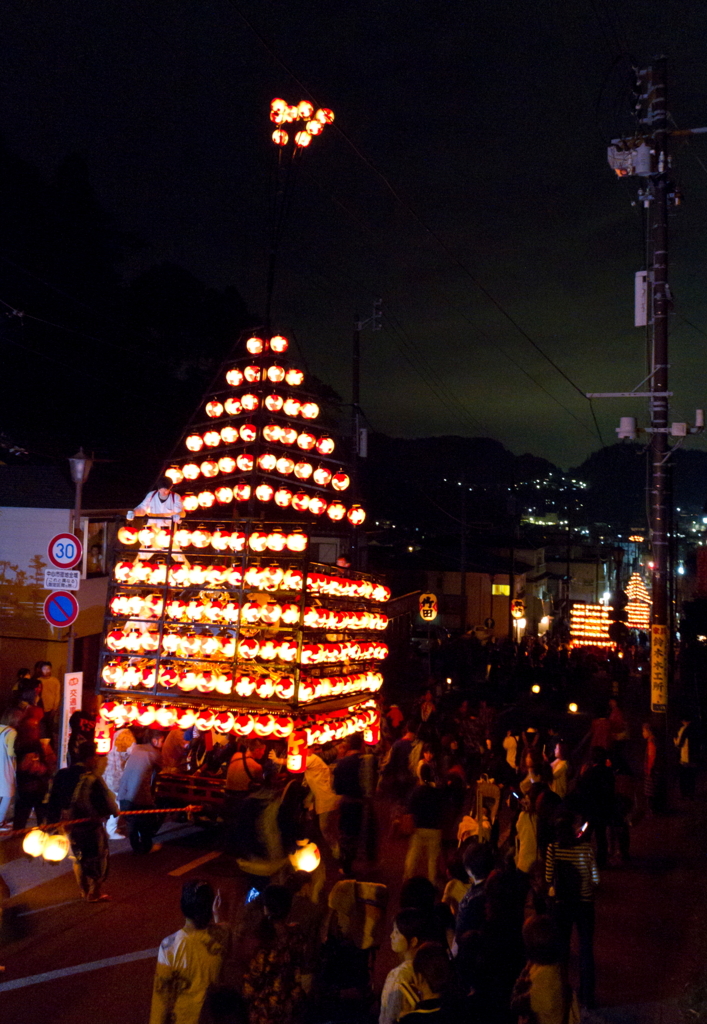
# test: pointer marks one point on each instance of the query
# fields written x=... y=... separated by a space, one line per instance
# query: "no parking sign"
x=61 y=608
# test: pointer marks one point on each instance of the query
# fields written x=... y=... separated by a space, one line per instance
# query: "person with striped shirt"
x=572 y=876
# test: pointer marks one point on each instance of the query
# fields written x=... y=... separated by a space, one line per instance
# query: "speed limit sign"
x=65 y=551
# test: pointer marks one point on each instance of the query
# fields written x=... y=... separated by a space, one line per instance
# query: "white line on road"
x=195 y=863
x=65 y=972
x=49 y=906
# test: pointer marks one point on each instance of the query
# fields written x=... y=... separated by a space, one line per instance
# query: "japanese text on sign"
x=62 y=579
x=659 y=668
x=428 y=607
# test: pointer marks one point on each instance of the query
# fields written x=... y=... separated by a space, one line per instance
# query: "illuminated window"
x=501 y=589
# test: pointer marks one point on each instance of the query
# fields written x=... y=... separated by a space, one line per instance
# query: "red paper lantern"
x=279 y=136
x=296 y=541
x=306 y=441
x=233 y=406
x=322 y=476
x=194 y=442
x=191 y=471
x=272 y=432
x=300 y=502
x=275 y=373
x=274 y=402
x=206 y=499
x=303 y=470
x=252 y=374
x=241 y=492
x=243 y=725
x=325 y=445
x=212 y=438
x=175 y=474
x=356 y=515
x=336 y=511
x=209 y=468
x=277 y=541
x=309 y=410
x=283 y=497
x=229 y=435
x=317 y=505
x=237 y=540
x=248 y=648
x=270 y=613
x=214 y=408
x=264 y=492
x=245 y=462
x=324 y=115
x=294 y=377
x=284 y=690
x=292 y=407
x=226 y=464
x=258 y=541
x=234 y=377
x=224 y=495
x=278 y=344
x=267 y=462
x=248 y=432
x=289 y=614
x=297 y=752
x=288 y=436
x=250 y=402
x=256 y=346
x=340 y=481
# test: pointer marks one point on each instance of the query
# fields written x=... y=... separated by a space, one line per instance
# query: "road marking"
x=195 y=863
x=49 y=906
x=111 y=961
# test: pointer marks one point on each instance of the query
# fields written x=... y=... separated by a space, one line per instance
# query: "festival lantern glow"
x=340 y=481
x=212 y=438
x=255 y=345
x=226 y=464
x=294 y=377
x=56 y=848
x=233 y=407
x=291 y=407
x=300 y=501
x=34 y=842
x=356 y=515
x=191 y=471
x=309 y=410
x=280 y=137
x=336 y=511
x=283 y=497
x=229 y=435
x=245 y=462
x=252 y=374
x=321 y=476
x=303 y=470
x=224 y=495
x=248 y=432
x=234 y=377
x=317 y=505
x=250 y=402
x=264 y=492
x=206 y=499
x=278 y=344
x=288 y=436
x=267 y=462
x=275 y=373
x=296 y=541
x=214 y=409
x=325 y=445
x=241 y=492
x=274 y=402
x=272 y=432
x=175 y=474
x=194 y=442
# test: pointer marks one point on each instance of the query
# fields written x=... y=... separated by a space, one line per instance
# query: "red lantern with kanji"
x=297 y=752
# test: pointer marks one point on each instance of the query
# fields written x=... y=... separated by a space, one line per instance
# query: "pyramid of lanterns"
x=222 y=621
x=639 y=603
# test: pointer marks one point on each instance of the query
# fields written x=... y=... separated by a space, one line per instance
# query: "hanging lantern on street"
x=214 y=409
x=340 y=481
x=317 y=505
x=300 y=502
x=245 y=462
x=321 y=476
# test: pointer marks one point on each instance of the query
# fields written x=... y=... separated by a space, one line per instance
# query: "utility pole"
x=646 y=155
x=359 y=434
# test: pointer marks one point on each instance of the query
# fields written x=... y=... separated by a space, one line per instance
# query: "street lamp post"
x=80 y=468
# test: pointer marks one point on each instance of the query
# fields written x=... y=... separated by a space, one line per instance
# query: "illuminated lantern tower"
x=223 y=621
x=639 y=603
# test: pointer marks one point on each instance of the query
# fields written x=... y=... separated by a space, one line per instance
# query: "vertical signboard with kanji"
x=72 y=697
x=428 y=607
x=659 y=668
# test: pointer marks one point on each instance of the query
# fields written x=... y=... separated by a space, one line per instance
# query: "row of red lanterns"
x=274 y=374
x=220 y=539
x=252 y=613
x=259 y=577
x=273 y=433
x=125 y=675
x=257 y=346
x=322 y=729
x=283 y=497
x=248 y=402
x=267 y=462
x=224 y=646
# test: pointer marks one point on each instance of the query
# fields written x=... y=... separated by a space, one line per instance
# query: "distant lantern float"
x=325 y=445
x=256 y=346
x=274 y=402
x=278 y=344
x=214 y=408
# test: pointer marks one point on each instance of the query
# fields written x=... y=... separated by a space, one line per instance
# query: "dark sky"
x=488 y=120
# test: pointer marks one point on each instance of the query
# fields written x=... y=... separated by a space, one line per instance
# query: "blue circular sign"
x=61 y=608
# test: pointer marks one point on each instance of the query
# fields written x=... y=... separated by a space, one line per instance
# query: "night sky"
x=485 y=123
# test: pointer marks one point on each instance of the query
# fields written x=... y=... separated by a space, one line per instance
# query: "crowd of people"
x=500 y=833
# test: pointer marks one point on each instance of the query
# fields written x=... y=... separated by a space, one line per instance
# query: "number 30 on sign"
x=65 y=551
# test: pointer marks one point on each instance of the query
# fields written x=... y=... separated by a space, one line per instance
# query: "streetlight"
x=80 y=468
